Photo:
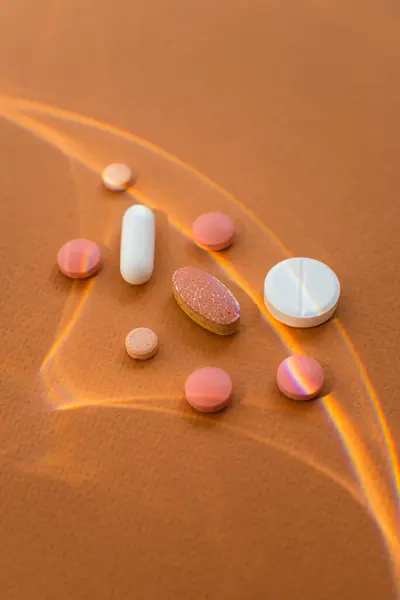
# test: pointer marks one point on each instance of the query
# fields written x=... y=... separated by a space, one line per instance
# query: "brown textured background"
x=293 y=107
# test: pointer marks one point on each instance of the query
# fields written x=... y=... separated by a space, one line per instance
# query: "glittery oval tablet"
x=300 y=377
x=208 y=389
x=141 y=343
x=117 y=177
x=206 y=300
x=79 y=258
x=213 y=230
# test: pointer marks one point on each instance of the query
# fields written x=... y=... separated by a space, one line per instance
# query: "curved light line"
x=70 y=149
x=18 y=120
x=66 y=115
x=376 y=405
x=45 y=109
x=127 y=404
x=66 y=331
x=363 y=466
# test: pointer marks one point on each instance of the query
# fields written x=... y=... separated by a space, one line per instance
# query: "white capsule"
x=137 y=245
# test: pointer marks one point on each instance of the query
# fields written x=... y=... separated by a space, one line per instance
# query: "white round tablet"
x=301 y=292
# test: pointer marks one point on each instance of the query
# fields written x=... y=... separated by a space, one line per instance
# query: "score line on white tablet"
x=301 y=292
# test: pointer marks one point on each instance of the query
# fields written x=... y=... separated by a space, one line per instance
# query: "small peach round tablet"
x=300 y=377
x=208 y=389
x=213 y=230
x=117 y=177
x=79 y=259
x=141 y=343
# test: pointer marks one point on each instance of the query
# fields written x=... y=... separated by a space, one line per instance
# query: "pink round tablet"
x=300 y=377
x=79 y=258
x=213 y=230
x=208 y=390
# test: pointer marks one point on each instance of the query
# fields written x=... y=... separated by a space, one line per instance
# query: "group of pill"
x=298 y=292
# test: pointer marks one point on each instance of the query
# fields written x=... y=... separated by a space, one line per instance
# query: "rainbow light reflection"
x=356 y=451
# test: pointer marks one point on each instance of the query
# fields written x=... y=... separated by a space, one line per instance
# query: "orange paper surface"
x=285 y=116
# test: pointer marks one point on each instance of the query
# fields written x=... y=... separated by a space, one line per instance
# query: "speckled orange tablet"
x=300 y=377
x=79 y=258
x=141 y=343
x=208 y=389
x=213 y=230
x=117 y=177
x=206 y=300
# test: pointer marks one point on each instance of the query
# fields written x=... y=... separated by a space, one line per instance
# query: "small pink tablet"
x=213 y=230
x=300 y=377
x=208 y=389
x=79 y=258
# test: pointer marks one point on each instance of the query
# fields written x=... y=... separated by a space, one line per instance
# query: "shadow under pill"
x=197 y=255
x=310 y=335
x=327 y=388
x=65 y=284
x=115 y=242
x=277 y=398
x=127 y=362
x=195 y=336
x=59 y=281
x=133 y=293
x=198 y=419
x=303 y=407
x=111 y=194
x=212 y=419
